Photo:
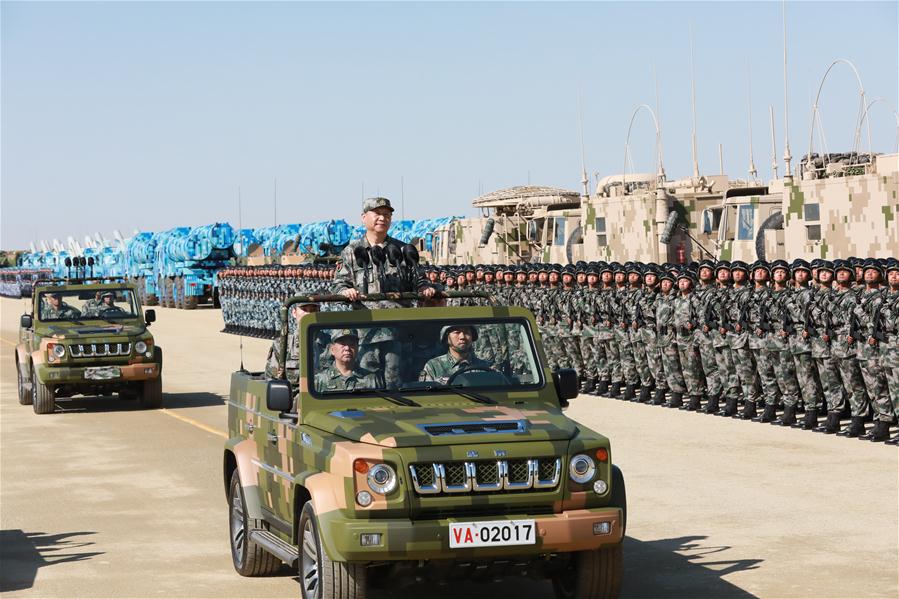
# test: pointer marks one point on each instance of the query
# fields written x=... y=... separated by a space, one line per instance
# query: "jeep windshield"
x=86 y=304
x=423 y=356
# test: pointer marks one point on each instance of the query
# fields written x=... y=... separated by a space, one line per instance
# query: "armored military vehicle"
x=86 y=336
x=461 y=465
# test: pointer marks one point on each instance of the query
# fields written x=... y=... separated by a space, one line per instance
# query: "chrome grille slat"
x=484 y=476
x=99 y=350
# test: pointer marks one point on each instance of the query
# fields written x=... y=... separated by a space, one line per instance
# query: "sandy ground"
x=102 y=499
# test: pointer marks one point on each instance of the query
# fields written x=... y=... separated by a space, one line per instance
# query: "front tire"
x=249 y=558
x=321 y=578
x=593 y=574
x=44 y=396
x=24 y=392
x=151 y=393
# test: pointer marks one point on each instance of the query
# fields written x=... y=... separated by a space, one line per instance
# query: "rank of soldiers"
x=794 y=344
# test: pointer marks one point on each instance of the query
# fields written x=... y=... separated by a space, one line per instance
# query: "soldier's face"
x=723 y=275
x=684 y=285
x=606 y=277
x=859 y=273
x=460 y=339
x=633 y=278
x=55 y=300
x=872 y=275
x=651 y=280
x=469 y=276
x=542 y=277
x=521 y=277
x=825 y=276
x=619 y=277
x=344 y=350
x=377 y=220
x=108 y=300
x=442 y=276
x=488 y=277
x=666 y=285
x=801 y=276
x=479 y=276
x=760 y=274
x=567 y=279
x=553 y=277
x=739 y=276
x=842 y=276
x=592 y=280
x=460 y=280
x=507 y=277
x=893 y=278
x=432 y=277
x=705 y=273
x=780 y=275
x=532 y=277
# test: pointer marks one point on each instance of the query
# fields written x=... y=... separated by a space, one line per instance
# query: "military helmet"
x=760 y=264
x=891 y=264
x=875 y=264
x=667 y=275
x=800 y=264
x=739 y=265
x=633 y=267
x=824 y=265
x=722 y=265
x=779 y=264
x=839 y=265
x=686 y=273
x=706 y=264
x=444 y=331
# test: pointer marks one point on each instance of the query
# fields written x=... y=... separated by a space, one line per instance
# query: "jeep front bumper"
x=429 y=539
x=60 y=375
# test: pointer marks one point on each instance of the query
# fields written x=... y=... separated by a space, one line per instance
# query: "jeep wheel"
x=249 y=558
x=151 y=393
x=321 y=578
x=592 y=575
x=44 y=399
x=24 y=391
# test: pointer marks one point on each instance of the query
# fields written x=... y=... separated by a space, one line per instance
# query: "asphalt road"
x=102 y=499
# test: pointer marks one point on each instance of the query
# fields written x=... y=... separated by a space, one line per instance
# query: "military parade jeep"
x=419 y=444
x=88 y=337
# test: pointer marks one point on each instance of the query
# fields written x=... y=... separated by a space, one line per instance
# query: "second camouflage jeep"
x=397 y=460
x=87 y=337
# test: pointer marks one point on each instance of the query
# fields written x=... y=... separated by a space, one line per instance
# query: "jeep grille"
x=99 y=350
x=486 y=476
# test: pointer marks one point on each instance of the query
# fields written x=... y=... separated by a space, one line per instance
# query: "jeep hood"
x=101 y=329
x=450 y=423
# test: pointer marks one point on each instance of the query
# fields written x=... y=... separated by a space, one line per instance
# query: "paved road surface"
x=102 y=499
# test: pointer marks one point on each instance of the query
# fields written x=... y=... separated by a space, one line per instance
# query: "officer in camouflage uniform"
x=796 y=317
x=610 y=375
x=842 y=309
x=705 y=294
x=820 y=331
x=737 y=331
x=353 y=279
x=635 y=318
x=344 y=374
x=569 y=323
x=648 y=336
x=587 y=323
x=889 y=351
x=759 y=329
x=55 y=308
x=459 y=357
x=868 y=335
x=778 y=346
x=716 y=329
x=621 y=310
x=667 y=344
x=686 y=308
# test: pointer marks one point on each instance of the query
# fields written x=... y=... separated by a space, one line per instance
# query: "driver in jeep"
x=459 y=356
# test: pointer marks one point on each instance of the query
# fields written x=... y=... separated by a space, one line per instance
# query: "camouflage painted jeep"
x=419 y=444
x=86 y=337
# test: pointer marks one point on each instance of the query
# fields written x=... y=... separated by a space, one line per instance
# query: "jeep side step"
x=274 y=545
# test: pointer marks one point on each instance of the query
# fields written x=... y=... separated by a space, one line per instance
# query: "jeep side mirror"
x=150 y=316
x=25 y=322
x=278 y=396
x=566 y=385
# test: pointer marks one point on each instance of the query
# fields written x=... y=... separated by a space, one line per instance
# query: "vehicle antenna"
x=720 y=159
x=658 y=115
x=402 y=198
x=773 y=143
x=580 y=125
x=276 y=201
x=788 y=175
x=693 y=104
x=239 y=229
x=753 y=172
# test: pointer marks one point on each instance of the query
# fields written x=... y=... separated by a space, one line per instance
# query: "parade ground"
x=104 y=499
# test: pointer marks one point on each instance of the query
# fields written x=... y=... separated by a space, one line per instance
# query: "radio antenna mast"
x=773 y=143
x=661 y=173
x=239 y=232
x=580 y=125
x=788 y=157
x=693 y=105
x=276 y=201
x=753 y=172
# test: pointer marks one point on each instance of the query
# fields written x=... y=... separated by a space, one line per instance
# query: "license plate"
x=102 y=373
x=494 y=533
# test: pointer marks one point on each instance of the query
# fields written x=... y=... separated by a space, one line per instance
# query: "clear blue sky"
x=150 y=115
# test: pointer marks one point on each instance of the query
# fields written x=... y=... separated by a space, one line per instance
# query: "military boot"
x=810 y=419
x=767 y=415
x=730 y=408
x=630 y=393
x=712 y=406
x=659 y=397
x=676 y=401
x=831 y=425
x=588 y=385
x=645 y=394
x=856 y=427
x=788 y=418
x=695 y=404
x=893 y=441
x=749 y=411
x=614 y=390
x=880 y=432
x=602 y=387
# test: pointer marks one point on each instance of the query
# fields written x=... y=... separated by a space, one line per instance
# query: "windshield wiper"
x=397 y=399
x=475 y=397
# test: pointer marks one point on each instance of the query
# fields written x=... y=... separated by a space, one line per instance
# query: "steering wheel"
x=465 y=369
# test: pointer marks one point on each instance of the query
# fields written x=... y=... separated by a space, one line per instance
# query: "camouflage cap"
x=342 y=333
x=375 y=203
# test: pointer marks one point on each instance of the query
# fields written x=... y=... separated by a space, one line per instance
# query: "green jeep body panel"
x=286 y=459
x=67 y=373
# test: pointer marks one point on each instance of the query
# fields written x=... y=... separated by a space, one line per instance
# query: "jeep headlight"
x=59 y=351
x=581 y=469
x=381 y=479
x=140 y=347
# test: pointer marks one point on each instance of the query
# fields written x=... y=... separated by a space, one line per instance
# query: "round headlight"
x=581 y=469
x=600 y=487
x=140 y=347
x=363 y=498
x=59 y=351
x=381 y=479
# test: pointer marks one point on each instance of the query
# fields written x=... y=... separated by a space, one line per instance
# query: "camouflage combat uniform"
x=441 y=368
x=373 y=279
x=685 y=309
x=841 y=309
x=667 y=344
x=332 y=380
x=867 y=312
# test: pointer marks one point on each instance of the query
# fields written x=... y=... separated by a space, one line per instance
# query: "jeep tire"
x=151 y=393
x=593 y=574
x=249 y=558
x=24 y=391
x=321 y=578
x=44 y=399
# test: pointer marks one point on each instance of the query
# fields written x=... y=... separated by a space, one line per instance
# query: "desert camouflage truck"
x=86 y=337
x=844 y=205
x=455 y=470
x=519 y=224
